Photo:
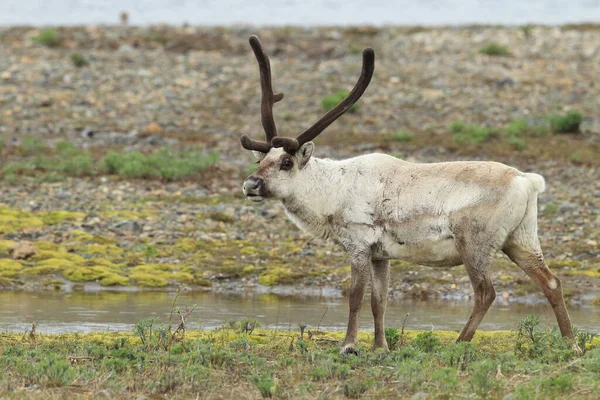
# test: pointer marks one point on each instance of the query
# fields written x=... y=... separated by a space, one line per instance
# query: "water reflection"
x=103 y=311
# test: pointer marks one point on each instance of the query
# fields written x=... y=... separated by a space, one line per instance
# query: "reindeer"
x=378 y=208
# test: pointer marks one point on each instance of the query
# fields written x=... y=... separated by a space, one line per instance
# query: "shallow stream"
x=118 y=311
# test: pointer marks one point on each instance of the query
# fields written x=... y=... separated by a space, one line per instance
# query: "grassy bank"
x=240 y=360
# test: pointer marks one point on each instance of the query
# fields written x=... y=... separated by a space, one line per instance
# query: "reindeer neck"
x=317 y=196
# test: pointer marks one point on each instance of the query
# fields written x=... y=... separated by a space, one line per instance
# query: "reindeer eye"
x=286 y=164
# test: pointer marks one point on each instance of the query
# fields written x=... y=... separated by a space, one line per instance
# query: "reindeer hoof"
x=348 y=349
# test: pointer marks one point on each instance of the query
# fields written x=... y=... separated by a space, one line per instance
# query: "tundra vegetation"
x=162 y=360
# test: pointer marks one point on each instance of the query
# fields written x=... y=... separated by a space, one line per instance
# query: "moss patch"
x=56 y=217
x=276 y=276
x=102 y=249
x=15 y=221
x=9 y=268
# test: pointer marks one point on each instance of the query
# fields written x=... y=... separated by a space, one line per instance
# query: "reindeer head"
x=282 y=159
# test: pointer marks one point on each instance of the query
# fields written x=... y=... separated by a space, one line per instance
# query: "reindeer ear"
x=259 y=155
x=304 y=153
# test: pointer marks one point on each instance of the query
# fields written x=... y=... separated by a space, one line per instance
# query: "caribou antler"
x=268 y=99
x=291 y=145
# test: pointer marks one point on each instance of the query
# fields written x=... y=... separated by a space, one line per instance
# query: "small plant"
x=550 y=209
x=354 y=388
x=426 y=342
x=392 y=337
x=494 y=49
x=48 y=37
x=79 y=60
x=265 y=384
x=402 y=136
x=248 y=326
x=522 y=127
x=568 y=123
x=470 y=133
x=31 y=146
x=546 y=346
x=461 y=355
x=165 y=164
x=527 y=31
x=516 y=142
x=328 y=102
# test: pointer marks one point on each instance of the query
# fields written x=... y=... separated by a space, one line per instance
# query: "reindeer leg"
x=380 y=275
x=532 y=262
x=476 y=248
x=360 y=266
x=484 y=297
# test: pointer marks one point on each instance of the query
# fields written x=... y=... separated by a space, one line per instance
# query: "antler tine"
x=268 y=98
x=291 y=145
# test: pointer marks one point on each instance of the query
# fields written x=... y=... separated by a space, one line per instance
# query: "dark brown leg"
x=380 y=274
x=360 y=276
x=484 y=297
x=532 y=262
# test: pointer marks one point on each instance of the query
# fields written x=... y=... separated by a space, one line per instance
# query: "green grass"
x=464 y=133
x=79 y=60
x=567 y=123
x=401 y=136
x=494 y=49
x=163 y=360
x=332 y=100
x=54 y=164
x=48 y=37
x=165 y=164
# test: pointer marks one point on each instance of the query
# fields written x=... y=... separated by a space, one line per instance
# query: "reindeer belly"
x=433 y=251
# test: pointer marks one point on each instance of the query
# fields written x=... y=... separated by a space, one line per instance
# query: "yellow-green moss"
x=15 y=221
x=145 y=279
x=85 y=274
x=114 y=280
x=104 y=263
x=49 y=266
x=203 y=282
x=248 y=269
x=186 y=245
x=9 y=268
x=276 y=276
x=56 y=217
x=591 y=273
x=61 y=253
x=4 y=244
x=103 y=249
x=46 y=245
x=82 y=236
x=563 y=263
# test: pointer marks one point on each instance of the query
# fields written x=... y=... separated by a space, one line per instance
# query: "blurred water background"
x=299 y=12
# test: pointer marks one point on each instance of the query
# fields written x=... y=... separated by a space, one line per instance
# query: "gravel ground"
x=181 y=86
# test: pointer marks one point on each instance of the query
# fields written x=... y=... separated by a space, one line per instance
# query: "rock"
x=509 y=396
x=127 y=226
x=567 y=207
x=153 y=129
x=420 y=396
x=506 y=81
x=21 y=250
x=103 y=394
x=126 y=48
x=86 y=133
